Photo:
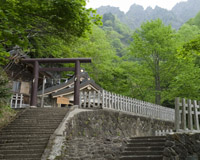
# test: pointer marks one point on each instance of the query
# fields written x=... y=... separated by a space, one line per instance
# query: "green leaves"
x=24 y=20
x=153 y=47
x=4 y=89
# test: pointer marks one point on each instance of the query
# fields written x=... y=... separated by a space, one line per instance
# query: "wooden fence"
x=108 y=100
x=17 y=101
x=187 y=115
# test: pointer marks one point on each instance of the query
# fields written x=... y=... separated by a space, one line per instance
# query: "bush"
x=4 y=89
x=6 y=115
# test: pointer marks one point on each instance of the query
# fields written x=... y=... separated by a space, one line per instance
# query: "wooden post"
x=183 y=122
x=89 y=99
x=120 y=102
x=21 y=100
x=196 y=118
x=94 y=98
x=111 y=100
x=106 y=99
x=132 y=105
x=177 y=119
x=77 y=83
x=126 y=103
x=85 y=99
x=43 y=87
x=35 y=84
x=11 y=101
x=99 y=97
x=103 y=98
x=16 y=99
x=80 y=101
x=115 y=101
x=109 y=97
x=190 y=122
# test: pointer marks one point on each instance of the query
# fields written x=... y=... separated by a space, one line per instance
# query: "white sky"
x=124 y=5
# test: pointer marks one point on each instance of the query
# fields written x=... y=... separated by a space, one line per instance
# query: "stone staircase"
x=144 y=148
x=27 y=136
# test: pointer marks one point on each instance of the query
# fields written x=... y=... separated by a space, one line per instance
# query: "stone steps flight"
x=144 y=148
x=27 y=136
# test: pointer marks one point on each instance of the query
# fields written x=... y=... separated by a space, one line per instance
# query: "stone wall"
x=102 y=135
x=182 y=147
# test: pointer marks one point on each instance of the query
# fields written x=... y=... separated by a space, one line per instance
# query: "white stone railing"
x=187 y=115
x=163 y=132
x=108 y=100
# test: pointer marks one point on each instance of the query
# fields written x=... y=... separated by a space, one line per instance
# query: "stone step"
x=31 y=151
x=27 y=136
x=26 y=133
x=34 y=123
x=22 y=139
x=28 y=127
x=21 y=158
x=9 y=156
x=27 y=130
x=151 y=157
x=149 y=137
x=147 y=140
x=22 y=147
x=37 y=120
x=23 y=136
x=143 y=144
x=23 y=143
x=31 y=126
x=128 y=153
x=147 y=148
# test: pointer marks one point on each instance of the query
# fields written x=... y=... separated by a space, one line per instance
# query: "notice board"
x=62 y=100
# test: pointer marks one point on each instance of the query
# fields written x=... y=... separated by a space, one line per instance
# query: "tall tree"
x=153 y=46
x=21 y=21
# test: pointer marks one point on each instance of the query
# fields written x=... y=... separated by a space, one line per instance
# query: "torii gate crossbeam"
x=37 y=61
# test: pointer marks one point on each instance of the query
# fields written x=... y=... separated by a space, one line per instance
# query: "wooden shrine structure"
x=37 y=69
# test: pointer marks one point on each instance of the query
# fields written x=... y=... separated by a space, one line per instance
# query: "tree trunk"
x=157 y=80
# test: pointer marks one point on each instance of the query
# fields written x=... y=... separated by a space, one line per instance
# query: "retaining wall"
x=102 y=135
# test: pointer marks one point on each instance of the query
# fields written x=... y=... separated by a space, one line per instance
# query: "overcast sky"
x=124 y=5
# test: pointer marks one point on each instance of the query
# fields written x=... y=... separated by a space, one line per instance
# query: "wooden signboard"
x=25 y=88
x=62 y=100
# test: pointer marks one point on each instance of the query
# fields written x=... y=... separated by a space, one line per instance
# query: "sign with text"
x=62 y=100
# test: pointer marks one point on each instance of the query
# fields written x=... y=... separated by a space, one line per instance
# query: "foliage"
x=25 y=21
x=195 y=21
x=4 y=90
x=103 y=56
x=117 y=33
x=153 y=47
x=6 y=115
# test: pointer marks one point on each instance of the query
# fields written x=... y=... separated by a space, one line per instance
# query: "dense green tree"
x=24 y=20
x=153 y=46
x=4 y=89
x=195 y=21
x=186 y=33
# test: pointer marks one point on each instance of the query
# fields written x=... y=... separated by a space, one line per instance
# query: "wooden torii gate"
x=37 y=69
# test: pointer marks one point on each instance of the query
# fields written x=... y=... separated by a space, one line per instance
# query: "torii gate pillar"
x=77 y=68
x=77 y=83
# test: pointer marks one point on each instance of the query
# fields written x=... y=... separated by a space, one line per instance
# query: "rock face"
x=182 y=147
x=27 y=136
x=179 y=14
x=102 y=135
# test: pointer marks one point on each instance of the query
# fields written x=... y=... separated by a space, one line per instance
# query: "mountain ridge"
x=136 y=14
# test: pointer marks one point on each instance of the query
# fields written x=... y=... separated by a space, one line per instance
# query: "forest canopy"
x=154 y=63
